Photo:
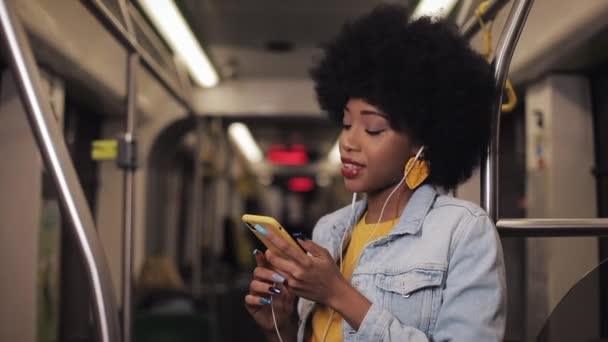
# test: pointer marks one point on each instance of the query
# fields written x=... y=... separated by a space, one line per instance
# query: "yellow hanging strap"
x=487 y=52
x=511 y=97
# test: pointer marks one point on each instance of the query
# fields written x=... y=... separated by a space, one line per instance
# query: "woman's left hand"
x=315 y=276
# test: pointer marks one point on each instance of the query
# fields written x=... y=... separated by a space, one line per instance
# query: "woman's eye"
x=374 y=132
x=345 y=126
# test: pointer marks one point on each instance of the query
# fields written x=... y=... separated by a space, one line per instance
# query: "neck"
x=394 y=207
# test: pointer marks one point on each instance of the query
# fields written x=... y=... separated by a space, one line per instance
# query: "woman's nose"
x=348 y=140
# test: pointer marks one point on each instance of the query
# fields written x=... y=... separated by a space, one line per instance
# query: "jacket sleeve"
x=474 y=295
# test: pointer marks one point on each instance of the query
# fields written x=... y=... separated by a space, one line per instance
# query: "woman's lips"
x=351 y=168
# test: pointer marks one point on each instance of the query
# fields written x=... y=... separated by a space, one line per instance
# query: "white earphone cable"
x=407 y=171
x=274 y=319
x=351 y=224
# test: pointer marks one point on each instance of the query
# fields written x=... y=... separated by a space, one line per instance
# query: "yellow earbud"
x=419 y=171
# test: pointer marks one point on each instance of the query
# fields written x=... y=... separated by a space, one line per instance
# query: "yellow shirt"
x=363 y=233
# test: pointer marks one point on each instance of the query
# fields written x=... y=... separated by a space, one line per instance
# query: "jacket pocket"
x=413 y=296
x=411 y=281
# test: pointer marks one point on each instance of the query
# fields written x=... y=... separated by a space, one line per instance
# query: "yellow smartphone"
x=270 y=224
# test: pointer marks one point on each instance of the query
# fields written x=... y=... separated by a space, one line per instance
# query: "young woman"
x=408 y=263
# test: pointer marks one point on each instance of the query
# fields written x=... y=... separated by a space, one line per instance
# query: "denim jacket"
x=437 y=276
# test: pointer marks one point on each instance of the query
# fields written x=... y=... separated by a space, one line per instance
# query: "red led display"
x=281 y=155
x=301 y=184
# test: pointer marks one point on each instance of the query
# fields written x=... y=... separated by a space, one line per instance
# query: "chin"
x=355 y=185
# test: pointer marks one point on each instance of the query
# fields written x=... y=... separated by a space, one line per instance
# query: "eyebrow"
x=368 y=112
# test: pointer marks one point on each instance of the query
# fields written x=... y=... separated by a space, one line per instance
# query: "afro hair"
x=424 y=76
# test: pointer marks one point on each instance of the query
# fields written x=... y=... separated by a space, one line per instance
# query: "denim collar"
x=415 y=211
x=410 y=221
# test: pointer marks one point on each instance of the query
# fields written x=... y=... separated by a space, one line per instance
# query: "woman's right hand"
x=265 y=287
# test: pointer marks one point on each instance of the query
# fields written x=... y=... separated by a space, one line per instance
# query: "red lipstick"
x=351 y=168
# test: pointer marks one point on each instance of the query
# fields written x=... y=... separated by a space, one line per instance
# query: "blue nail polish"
x=265 y=301
x=261 y=229
x=300 y=236
x=278 y=278
x=274 y=290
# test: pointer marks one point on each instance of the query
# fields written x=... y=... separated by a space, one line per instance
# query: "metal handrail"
x=57 y=161
x=197 y=202
x=105 y=16
x=128 y=195
x=552 y=227
x=519 y=227
x=156 y=44
x=504 y=52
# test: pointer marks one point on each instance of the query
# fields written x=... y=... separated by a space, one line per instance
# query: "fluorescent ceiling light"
x=242 y=138
x=174 y=29
x=433 y=8
x=334 y=154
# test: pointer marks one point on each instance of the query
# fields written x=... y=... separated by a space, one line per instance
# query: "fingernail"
x=265 y=301
x=300 y=236
x=261 y=229
x=274 y=290
x=256 y=251
x=278 y=278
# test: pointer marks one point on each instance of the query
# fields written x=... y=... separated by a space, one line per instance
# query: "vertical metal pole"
x=197 y=210
x=504 y=51
x=129 y=205
x=57 y=161
x=128 y=219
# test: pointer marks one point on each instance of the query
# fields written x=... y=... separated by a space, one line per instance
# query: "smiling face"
x=373 y=153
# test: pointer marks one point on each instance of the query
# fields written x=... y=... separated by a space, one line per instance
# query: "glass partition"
x=578 y=316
